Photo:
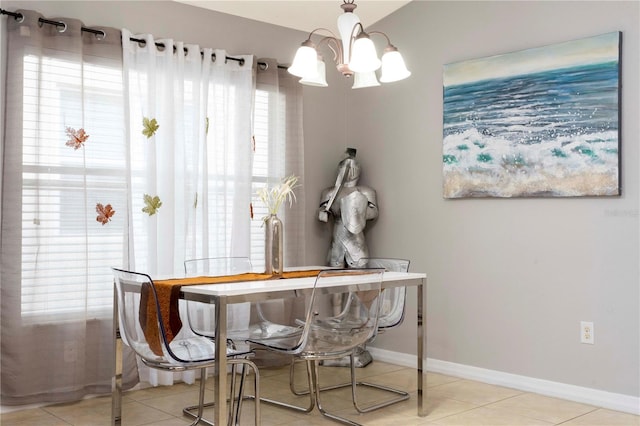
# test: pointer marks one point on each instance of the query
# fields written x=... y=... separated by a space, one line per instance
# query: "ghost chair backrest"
x=393 y=299
x=217 y=266
x=201 y=316
x=323 y=335
x=143 y=329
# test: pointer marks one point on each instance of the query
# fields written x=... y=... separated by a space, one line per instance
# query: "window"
x=260 y=173
x=66 y=253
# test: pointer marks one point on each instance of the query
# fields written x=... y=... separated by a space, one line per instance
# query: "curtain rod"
x=18 y=16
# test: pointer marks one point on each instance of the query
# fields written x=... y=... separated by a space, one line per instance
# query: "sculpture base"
x=361 y=358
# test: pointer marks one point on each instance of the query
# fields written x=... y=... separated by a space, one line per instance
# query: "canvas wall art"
x=541 y=122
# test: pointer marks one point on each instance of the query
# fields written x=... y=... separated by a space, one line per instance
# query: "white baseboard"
x=598 y=398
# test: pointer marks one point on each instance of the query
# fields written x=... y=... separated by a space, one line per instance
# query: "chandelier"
x=354 y=54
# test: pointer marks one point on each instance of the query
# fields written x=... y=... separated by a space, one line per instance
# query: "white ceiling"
x=304 y=15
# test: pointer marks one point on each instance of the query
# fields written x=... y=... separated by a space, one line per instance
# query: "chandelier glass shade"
x=319 y=78
x=354 y=53
x=364 y=79
x=304 y=63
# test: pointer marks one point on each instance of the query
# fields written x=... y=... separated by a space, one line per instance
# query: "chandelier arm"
x=353 y=37
x=336 y=49
x=383 y=34
x=321 y=29
x=337 y=52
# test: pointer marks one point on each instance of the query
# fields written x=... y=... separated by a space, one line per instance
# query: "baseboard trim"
x=598 y=398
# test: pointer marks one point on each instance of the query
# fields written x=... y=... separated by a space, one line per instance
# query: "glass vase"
x=273 y=257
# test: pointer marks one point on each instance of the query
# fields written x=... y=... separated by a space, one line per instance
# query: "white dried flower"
x=274 y=197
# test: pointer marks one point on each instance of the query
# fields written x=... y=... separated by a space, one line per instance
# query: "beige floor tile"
x=437 y=379
x=270 y=415
x=90 y=412
x=31 y=417
x=406 y=413
x=406 y=379
x=154 y=392
x=29 y=414
x=436 y=408
x=470 y=391
x=136 y=414
x=312 y=419
x=602 y=417
x=174 y=421
x=541 y=407
x=173 y=404
x=483 y=416
x=450 y=401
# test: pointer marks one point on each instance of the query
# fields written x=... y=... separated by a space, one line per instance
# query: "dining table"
x=257 y=290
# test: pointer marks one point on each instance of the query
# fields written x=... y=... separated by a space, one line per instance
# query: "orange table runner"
x=168 y=292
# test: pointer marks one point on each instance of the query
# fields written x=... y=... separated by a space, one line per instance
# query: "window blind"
x=66 y=253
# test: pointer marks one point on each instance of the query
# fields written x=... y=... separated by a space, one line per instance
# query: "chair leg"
x=314 y=397
x=200 y=407
x=307 y=391
x=235 y=407
x=312 y=400
x=238 y=404
x=317 y=390
x=255 y=396
x=401 y=395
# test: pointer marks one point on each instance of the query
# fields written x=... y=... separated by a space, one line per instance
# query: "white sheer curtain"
x=124 y=153
x=63 y=145
x=190 y=158
x=279 y=152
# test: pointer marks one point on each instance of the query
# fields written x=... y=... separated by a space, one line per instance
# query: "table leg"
x=220 y=368
x=422 y=351
x=116 y=379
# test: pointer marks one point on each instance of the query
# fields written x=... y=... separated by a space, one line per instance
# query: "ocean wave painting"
x=541 y=122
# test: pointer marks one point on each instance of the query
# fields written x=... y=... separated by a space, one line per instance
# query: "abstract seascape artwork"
x=541 y=122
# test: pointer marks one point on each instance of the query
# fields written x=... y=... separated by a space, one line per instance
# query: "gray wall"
x=509 y=280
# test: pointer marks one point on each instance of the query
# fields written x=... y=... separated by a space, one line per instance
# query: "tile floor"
x=451 y=401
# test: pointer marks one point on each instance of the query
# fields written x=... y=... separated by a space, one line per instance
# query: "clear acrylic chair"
x=321 y=335
x=142 y=328
x=201 y=315
x=392 y=310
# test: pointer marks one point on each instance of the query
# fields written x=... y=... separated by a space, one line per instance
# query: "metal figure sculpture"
x=350 y=206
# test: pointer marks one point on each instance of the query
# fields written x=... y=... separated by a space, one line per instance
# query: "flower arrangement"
x=274 y=197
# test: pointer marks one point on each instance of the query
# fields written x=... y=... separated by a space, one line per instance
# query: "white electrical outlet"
x=586 y=332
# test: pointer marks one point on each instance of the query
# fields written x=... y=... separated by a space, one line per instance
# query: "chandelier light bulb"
x=320 y=80
x=393 y=66
x=365 y=79
x=305 y=62
x=364 y=57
